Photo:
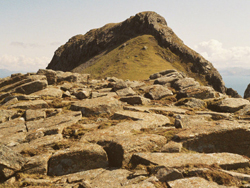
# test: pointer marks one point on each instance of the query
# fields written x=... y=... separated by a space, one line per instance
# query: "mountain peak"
x=117 y=49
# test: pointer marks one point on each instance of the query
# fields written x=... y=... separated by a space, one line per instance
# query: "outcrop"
x=63 y=129
x=134 y=49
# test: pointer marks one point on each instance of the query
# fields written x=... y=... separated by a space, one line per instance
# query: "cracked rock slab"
x=172 y=160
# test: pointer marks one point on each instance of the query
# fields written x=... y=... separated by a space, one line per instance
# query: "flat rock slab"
x=209 y=127
x=83 y=175
x=141 y=185
x=194 y=182
x=49 y=92
x=157 y=119
x=54 y=124
x=31 y=115
x=111 y=179
x=232 y=104
x=192 y=121
x=100 y=105
x=201 y=92
x=76 y=159
x=31 y=87
x=37 y=164
x=121 y=148
x=12 y=127
x=123 y=128
x=173 y=160
x=6 y=115
x=10 y=162
x=30 y=105
x=39 y=143
x=173 y=109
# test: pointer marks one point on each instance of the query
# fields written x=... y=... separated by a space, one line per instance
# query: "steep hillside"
x=141 y=45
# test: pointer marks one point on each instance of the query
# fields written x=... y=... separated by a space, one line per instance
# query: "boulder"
x=126 y=92
x=100 y=105
x=231 y=104
x=71 y=77
x=31 y=87
x=119 y=84
x=201 y=92
x=134 y=100
x=191 y=102
x=172 y=147
x=184 y=83
x=37 y=164
x=168 y=79
x=76 y=159
x=50 y=75
x=83 y=94
x=156 y=92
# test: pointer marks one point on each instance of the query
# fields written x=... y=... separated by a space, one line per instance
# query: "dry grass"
x=212 y=173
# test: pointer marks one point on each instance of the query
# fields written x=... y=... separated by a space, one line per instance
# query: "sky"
x=32 y=30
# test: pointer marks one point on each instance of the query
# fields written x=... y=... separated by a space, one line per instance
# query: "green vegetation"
x=135 y=60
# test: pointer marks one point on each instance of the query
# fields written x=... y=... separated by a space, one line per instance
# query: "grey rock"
x=156 y=92
x=31 y=87
x=10 y=162
x=100 y=105
x=134 y=100
x=232 y=104
x=121 y=148
x=224 y=160
x=30 y=105
x=172 y=147
x=185 y=83
x=83 y=94
x=126 y=92
x=31 y=115
x=76 y=159
x=50 y=75
x=49 y=92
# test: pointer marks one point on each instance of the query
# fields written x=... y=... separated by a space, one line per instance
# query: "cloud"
x=23 y=63
x=55 y=43
x=222 y=57
x=26 y=45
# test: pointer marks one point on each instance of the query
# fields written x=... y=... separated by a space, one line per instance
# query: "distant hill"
x=235 y=71
x=133 y=49
x=4 y=73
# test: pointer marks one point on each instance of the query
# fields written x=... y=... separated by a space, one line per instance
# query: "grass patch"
x=212 y=173
x=168 y=134
x=74 y=131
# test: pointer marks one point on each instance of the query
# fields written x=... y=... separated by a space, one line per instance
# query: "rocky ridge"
x=84 y=51
x=62 y=129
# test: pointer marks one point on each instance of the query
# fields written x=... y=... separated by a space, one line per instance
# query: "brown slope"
x=83 y=51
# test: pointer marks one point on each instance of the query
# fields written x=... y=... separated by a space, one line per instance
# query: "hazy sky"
x=31 y=30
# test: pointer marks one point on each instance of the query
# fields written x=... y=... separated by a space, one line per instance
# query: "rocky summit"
x=64 y=129
x=134 y=49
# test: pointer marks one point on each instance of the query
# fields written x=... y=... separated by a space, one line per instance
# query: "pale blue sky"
x=31 y=30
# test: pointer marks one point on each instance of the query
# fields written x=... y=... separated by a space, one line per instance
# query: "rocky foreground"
x=62 y=129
